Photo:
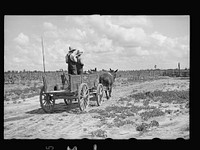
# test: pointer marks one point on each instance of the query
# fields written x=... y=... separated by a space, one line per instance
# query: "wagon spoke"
x=83 y=98
x=46 y=101
x=82 y=103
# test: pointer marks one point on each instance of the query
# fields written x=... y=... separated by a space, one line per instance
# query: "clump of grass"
x=15 y=98
x=168 y=111
x=138 y=96
x=18 y=92
x=99 y=133
x=145 y=126
x=187 y=105
x=146 y=102
x=118 y=122
x=6 y=98
x=152 y=113
x=163 y=96
x=122 y=99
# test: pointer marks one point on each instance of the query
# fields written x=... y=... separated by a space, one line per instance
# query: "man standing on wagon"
x=74 y=60
x=79 y=64
x=71 y=63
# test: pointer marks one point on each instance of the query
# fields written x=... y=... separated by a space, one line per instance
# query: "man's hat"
x=79 y=52
x=71 y=49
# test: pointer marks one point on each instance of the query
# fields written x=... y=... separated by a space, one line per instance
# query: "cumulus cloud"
x=107 y=41
x=49 y=26
x=130 y=21
x=22 y=39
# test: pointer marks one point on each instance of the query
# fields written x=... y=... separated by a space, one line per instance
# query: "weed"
x=154 y=123
x=168 y=111
x=142 y=127
x=15 y=98
x=6 y=99
x=152 y=113
x=99 y=133
x=187 y=105
x=138 y=96
x=146 y=102
x=145 y=126
x=18 y=92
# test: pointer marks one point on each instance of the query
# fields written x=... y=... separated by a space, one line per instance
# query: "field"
x=142 y=106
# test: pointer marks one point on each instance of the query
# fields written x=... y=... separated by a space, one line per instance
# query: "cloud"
x=131 y=21
x=18 y=60
x=119 y=34
x=108 y=41
x=49 y=26
x=22 y=39
x=160 y=39
x=142 y=52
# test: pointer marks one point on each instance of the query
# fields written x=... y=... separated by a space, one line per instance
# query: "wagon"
x=70 y=87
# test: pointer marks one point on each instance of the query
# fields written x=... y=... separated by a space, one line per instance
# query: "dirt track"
x=26 y=120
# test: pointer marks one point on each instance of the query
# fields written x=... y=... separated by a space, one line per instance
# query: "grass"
x=23 y=92
x=99 y=133
x=120 y=113
x=152 y=113
x=145 y=126
x=163 y=96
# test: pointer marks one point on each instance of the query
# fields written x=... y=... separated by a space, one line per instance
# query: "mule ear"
x=116 y=70
x=110 y=69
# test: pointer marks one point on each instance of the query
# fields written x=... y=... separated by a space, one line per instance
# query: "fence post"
x=179 y=70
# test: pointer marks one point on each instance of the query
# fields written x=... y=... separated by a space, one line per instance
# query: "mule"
x=107 y=79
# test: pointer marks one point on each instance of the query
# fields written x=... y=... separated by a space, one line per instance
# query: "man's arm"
x=80 y=60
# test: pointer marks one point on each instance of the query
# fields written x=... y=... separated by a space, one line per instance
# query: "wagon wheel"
x=99 y=94
x=47 y=101
x=83 y=96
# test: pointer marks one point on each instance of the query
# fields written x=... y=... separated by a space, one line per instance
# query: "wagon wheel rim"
x=83 y=97
x=46 y=101
x=99 y=94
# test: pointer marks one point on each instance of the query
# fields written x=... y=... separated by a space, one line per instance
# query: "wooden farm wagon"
x=70 y=87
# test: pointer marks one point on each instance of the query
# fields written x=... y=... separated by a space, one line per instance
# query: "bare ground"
x=117 y=118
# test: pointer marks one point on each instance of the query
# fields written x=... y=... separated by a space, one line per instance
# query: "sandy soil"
x=26 y=120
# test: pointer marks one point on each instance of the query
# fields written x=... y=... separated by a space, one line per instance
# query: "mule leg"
x=106 y=94
x=110 y=91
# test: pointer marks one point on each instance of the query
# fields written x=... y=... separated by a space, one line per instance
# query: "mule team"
x=75 y=67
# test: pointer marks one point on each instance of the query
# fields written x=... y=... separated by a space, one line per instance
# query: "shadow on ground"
x=62 y=107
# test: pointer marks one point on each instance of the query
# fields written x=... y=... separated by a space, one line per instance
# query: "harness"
x=110 y=73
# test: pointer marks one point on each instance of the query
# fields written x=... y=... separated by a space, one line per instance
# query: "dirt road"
x=116 y=118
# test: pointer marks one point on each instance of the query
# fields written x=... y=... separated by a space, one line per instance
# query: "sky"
x=124 y=42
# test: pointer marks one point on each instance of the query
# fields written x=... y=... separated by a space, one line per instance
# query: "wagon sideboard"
x=70 y=83
x=75 y=80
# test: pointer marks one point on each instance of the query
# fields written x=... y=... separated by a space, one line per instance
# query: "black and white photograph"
x=96 y=77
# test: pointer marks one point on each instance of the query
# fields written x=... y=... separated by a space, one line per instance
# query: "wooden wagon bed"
x=69 y=87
